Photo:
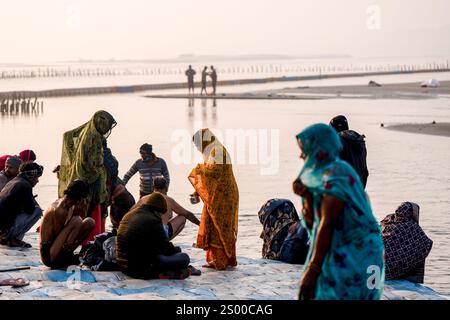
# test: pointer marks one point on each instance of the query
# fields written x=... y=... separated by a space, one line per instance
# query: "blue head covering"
x=325 y=173
x=321 y=146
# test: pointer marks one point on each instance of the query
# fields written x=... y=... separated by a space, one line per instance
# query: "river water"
x=403 y=166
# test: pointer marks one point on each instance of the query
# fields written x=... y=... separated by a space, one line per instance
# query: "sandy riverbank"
x=411 y=90
x=253 y=278
x=437 y=129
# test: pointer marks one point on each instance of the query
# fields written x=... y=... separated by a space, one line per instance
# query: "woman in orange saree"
x=215 y=184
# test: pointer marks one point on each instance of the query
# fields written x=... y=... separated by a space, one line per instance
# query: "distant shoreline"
x=21 y=94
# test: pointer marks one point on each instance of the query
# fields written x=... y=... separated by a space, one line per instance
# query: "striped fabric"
x=147 y=172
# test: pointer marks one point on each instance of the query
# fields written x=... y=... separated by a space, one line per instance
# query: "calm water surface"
x=403 y=166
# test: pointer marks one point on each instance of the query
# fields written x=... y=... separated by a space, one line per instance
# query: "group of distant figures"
x=337 y=239
x=190 y=73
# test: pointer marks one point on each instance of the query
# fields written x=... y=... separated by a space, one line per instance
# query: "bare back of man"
x=172 y=225
x=62 y=230
x=177 y=223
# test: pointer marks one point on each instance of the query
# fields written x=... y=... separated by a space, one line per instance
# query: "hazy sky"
x=55 y=30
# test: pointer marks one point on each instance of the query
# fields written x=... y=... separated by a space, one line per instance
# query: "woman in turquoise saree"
x=345 y=260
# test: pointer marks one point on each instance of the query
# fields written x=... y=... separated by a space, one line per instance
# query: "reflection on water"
x=21 y=107
x=208 y=112
x=204 y=111
x=214 y=111
x=191 y=108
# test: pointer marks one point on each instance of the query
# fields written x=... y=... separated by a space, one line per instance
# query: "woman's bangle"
x=314 y=267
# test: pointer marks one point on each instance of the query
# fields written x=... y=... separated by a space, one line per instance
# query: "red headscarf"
x=27 y=155
x=3 y=161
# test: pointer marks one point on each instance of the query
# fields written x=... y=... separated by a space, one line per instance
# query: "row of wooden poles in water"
x=253 y=69
x=14 y=106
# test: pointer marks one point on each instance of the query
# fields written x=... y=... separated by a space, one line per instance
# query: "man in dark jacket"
x=19 y=211
x=143 y=249
x=11 y=170
x=354 y=147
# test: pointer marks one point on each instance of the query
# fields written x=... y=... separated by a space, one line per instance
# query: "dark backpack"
x=94 y=255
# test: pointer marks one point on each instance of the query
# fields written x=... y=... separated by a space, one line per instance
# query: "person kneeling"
x=63 y=230
x=285 y=239
x=143 y=249
x=406 y=244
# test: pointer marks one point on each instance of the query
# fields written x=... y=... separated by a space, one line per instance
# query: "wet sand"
x=411 y=90
x=437 y=129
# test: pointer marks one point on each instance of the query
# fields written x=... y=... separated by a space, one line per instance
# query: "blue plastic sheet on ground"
x=161 y=291
x=76 y=275
x=28 y=264
x=126 y=291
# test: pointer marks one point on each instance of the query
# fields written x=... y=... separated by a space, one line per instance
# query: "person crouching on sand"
x=406 y=244
x=11 y=170
x=62 y=229
x=143 y=249
x=19 y=210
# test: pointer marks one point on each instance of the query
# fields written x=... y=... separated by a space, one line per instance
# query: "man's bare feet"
x=15 y=283
x=18 y=243
x=194 y=271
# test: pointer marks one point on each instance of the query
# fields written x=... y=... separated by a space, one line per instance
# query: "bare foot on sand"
x=15 y=243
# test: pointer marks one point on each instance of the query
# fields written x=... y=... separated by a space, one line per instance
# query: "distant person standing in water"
x=353 y=147
x=204 y=75
x=213 y=75
x=190 y=73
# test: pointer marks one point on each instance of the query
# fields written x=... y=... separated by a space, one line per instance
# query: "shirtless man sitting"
x=172 y=226
x=62 y=229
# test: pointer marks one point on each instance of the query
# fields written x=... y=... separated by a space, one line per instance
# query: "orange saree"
x=217 y=233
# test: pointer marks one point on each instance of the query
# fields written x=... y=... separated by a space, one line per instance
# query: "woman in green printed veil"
x=82 y=158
